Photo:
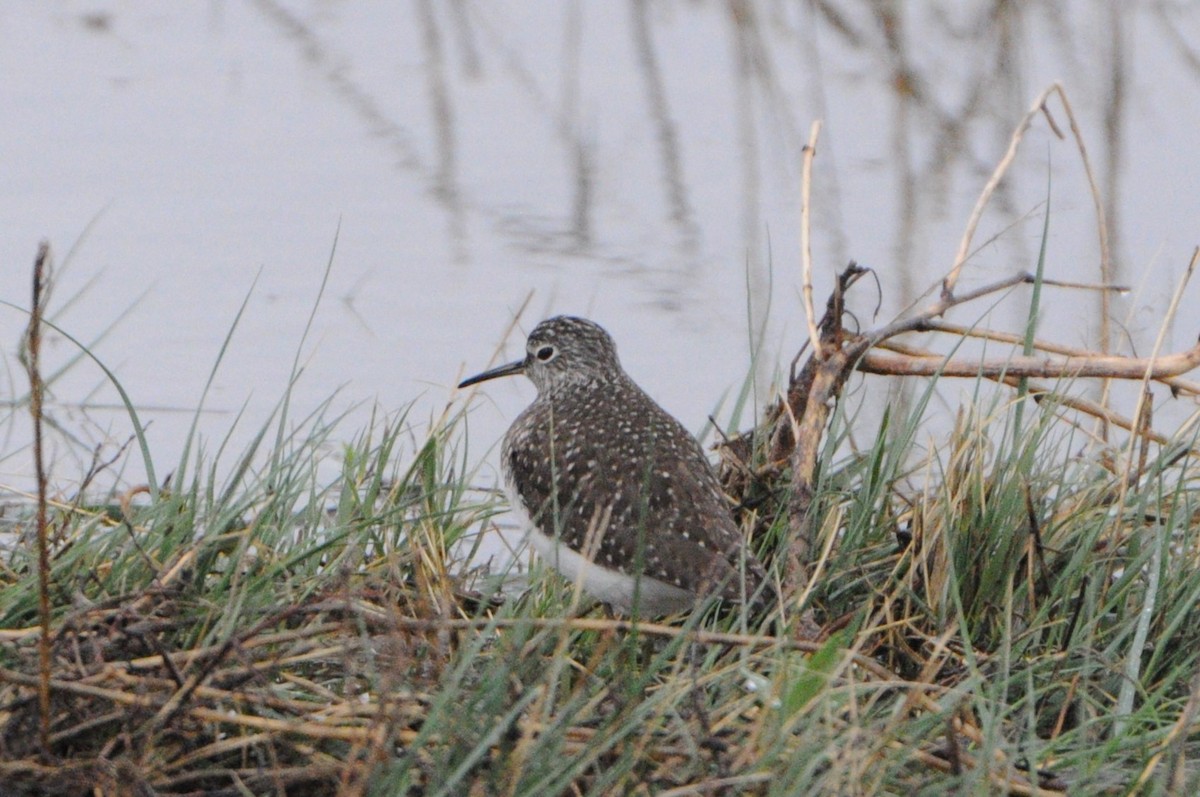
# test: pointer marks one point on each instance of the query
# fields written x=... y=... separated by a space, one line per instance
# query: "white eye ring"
x=545 y=353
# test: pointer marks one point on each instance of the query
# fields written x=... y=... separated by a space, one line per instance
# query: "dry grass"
x=284 y=639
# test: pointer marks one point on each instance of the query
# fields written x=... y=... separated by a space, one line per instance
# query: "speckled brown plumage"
x=600 y=468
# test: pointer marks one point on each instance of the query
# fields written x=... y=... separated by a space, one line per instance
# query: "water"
x=636 y=163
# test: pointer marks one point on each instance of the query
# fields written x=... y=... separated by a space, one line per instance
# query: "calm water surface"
x=634 y=162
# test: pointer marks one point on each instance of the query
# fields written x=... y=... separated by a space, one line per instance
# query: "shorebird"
x=615 y=493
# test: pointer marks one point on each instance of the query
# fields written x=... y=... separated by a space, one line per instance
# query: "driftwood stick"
x=1100 y=365
x=806 y=278
x=1178 y=385
x=810 y=398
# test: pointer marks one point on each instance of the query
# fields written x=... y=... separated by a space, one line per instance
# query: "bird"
x=614 y=492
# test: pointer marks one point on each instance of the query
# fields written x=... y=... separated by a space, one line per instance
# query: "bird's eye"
x=545 y=353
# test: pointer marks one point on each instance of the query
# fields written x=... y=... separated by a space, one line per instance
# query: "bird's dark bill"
x=504 y=370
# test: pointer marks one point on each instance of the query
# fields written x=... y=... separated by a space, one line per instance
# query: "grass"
x=1005 y=612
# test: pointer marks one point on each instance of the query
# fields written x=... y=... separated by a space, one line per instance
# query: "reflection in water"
x=679 y=209
x=445 y=185
x=1114 y=114
x=638 y=160
x=336 y=70
x=582 y=157
x=922 y=97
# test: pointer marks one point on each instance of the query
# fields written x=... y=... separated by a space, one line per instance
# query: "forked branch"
x=798 y=422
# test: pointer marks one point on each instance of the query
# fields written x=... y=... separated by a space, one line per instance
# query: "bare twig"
x=1038 y=106
x=1160 y=340
x=985 y=196
x=1106 y=269
x=1099 y=365
x=1036 y=391
x=810 y=152
x=33 y=345
x=1176 y=384
x=809 y=400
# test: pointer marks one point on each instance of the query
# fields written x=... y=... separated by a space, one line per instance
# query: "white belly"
x=654 y=598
